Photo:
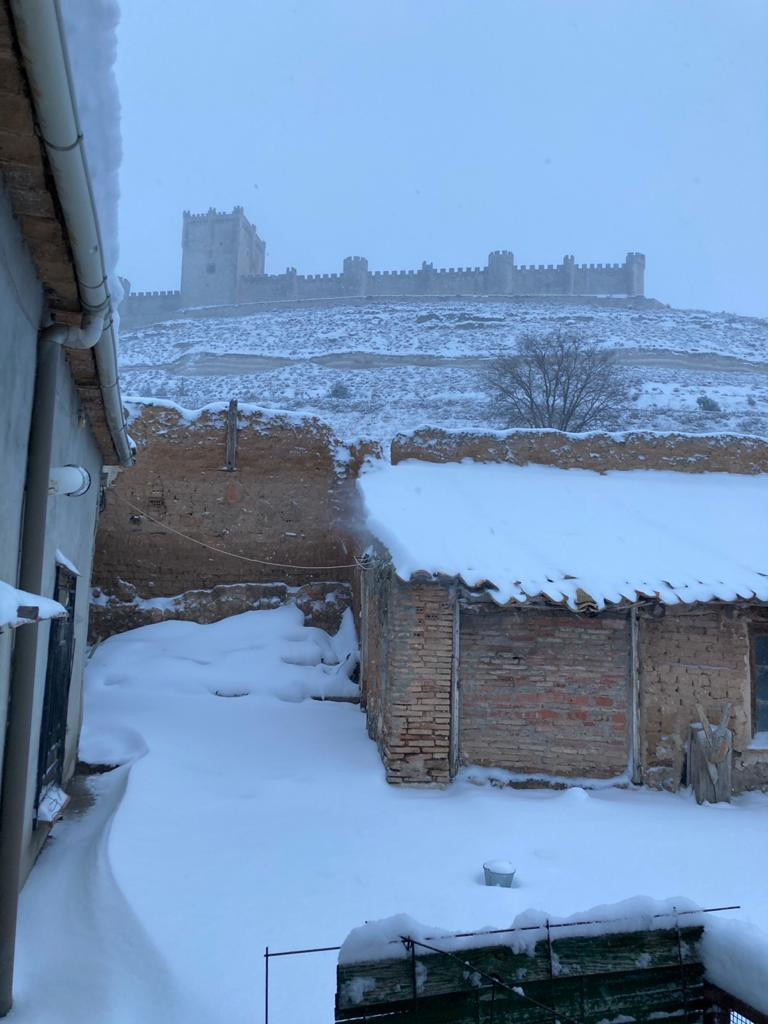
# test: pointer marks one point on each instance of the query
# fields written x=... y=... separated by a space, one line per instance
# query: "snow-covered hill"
x=374 y=368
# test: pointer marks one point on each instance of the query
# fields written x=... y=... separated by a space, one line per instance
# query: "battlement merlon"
x=237 y=211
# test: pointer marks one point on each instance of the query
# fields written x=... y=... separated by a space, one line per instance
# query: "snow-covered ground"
x=237 y=822
x=377 y=368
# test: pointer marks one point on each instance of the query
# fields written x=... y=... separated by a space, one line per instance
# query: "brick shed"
x=530 y=622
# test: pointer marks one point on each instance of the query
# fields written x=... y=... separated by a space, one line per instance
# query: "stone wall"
x=223 y=263
x=688 y=655
x=287 y=503
x=141 y=308
x=543 y=690
x=322 y=605
x=500 y=276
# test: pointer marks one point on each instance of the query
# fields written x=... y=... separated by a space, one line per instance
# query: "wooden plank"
x=19 y=149
x=16 y=114
x=10 y=79
x=709 y=758
x=391 y=980
x=43 y=229
x=25 y=199
x=627 y=951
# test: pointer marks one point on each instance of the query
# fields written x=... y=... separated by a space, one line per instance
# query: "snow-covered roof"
x=574 y=535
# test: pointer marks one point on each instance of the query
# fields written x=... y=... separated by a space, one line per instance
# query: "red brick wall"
x=544 y=691
x=419 y=683
x=406 y=676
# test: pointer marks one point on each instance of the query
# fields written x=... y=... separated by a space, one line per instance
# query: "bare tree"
x=557 y=379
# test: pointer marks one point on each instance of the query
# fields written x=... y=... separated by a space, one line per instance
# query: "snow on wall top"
x=574 y=535
x=381 y=940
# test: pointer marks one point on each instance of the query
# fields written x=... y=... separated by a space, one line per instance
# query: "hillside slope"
x=375 y=368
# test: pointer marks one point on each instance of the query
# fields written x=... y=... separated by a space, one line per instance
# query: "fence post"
x=232 y=435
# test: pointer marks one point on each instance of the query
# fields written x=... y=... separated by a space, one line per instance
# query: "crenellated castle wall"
x=223 y=264
x=139 y=308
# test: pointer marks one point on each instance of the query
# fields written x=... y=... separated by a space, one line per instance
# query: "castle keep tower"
x=218 y=250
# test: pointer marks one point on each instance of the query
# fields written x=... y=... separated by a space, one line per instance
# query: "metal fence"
x=719 y=1006
x=723 y=1008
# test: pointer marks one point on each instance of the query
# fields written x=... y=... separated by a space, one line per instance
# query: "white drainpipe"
x=41 y=38
x=75 y=337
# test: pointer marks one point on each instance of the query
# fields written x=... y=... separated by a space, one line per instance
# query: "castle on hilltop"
x=223 y=265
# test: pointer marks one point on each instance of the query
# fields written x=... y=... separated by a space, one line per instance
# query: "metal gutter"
x=41 y=38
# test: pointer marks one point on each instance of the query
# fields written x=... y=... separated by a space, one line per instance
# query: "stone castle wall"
x=140 y=308
x=617 y=279
x=223 y=265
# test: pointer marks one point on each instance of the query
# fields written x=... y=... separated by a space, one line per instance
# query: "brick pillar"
x=416 y=749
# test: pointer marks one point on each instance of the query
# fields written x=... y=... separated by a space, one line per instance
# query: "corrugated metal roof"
x=574 y=536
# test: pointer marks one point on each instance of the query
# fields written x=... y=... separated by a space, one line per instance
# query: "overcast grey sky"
x=404 y=130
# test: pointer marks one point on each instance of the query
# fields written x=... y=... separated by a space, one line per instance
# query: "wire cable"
x=232 y=554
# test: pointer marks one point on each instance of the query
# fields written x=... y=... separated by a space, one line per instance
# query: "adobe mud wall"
x=684 y=453
x=689 y=655
x=287 y=503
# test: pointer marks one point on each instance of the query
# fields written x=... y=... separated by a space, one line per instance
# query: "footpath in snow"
x=246 y=814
